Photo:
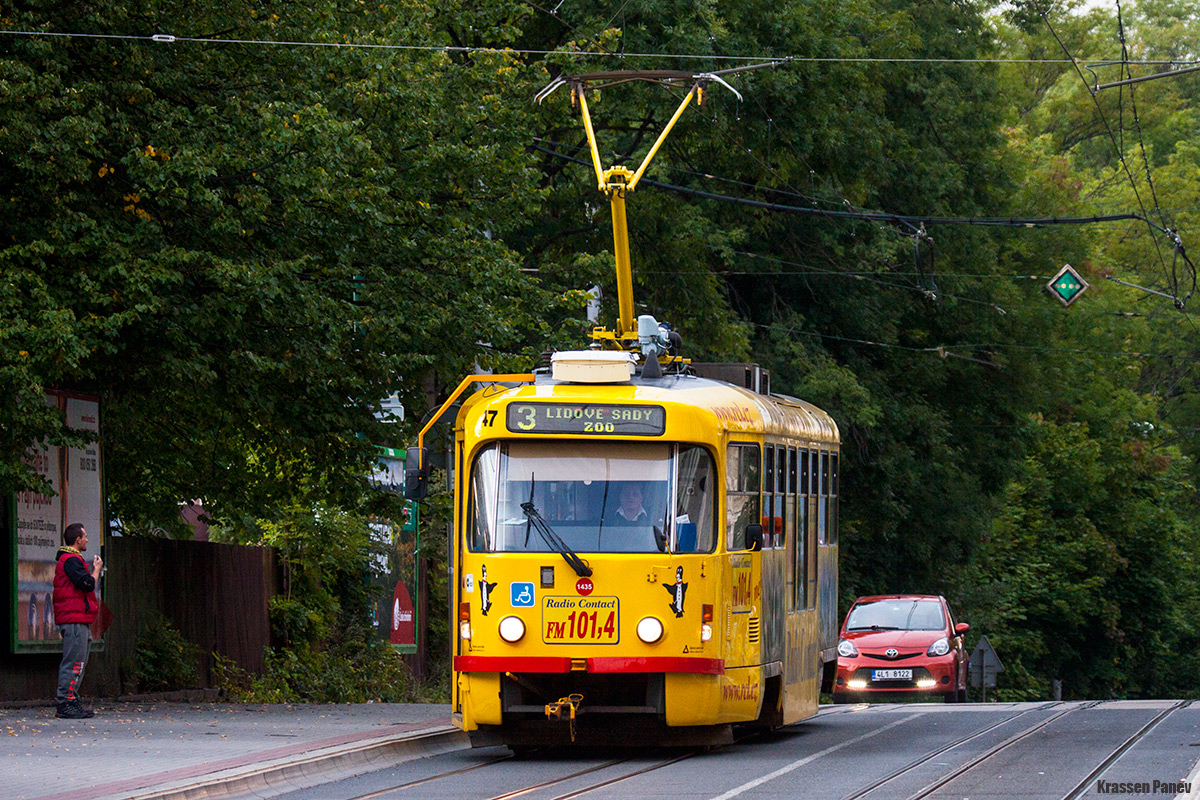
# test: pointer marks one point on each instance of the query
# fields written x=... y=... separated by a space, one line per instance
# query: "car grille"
x=900 y=657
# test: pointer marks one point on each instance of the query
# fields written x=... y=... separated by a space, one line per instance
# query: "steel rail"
x=431 y=778
x=633 y=774
x=556 y=781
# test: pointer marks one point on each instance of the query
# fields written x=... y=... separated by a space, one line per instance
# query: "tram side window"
x=790 y=558
x=742 y=485
x=804 y=537
x=833 y=498
x=770 y=509
x=821 y=468
x=695 y=500
x=781 y=514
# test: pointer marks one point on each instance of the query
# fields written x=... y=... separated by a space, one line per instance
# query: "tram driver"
x=631 y=509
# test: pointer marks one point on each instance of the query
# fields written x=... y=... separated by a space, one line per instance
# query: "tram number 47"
x=583 y=625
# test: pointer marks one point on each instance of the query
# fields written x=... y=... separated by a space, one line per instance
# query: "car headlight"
x=512 y=629
x=846 y=649
x=939 y=648
x=649 y=630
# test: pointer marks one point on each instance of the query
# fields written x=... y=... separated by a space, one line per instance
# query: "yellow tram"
x=645 y=549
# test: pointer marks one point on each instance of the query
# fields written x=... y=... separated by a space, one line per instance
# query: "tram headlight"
x=649 y=630
x=846 y=649
x=939 y=648
x=464 y=620
x=512 y=629
x=706 y=618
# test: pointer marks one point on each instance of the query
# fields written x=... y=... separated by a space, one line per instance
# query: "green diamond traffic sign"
x=1067 y=285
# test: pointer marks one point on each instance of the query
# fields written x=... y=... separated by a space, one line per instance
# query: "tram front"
x=587 y=580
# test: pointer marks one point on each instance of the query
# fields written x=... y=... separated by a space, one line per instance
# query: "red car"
x=901 y=644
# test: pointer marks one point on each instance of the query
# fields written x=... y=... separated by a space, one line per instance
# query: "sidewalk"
x=176 y=751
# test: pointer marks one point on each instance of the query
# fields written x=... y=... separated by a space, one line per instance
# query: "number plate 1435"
x=576 y=620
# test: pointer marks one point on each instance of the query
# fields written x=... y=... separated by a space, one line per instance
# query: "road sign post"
x=985 y=666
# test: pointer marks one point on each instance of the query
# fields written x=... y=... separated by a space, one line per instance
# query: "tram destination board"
x=587 y=418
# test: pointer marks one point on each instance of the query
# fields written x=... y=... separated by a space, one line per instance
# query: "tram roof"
x=733 y=408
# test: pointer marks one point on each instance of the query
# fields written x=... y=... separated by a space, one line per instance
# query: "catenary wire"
x=166 y=38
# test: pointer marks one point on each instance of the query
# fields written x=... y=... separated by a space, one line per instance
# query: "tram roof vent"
x=592 y=366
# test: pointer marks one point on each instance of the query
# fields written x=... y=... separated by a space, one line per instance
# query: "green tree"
x=243 y=247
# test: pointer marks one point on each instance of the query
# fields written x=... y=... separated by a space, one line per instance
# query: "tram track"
x=430 y=779
x=992 y=751
x=1076 y=792
x=546 y=784
x=1104 y=765
x=924 y=759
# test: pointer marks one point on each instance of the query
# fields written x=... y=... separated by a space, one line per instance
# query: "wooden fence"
x=216 y=595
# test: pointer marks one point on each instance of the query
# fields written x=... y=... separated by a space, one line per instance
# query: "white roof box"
x=592 y=366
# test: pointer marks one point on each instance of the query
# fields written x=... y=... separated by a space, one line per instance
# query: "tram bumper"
x=667 y=708
x=733 y=696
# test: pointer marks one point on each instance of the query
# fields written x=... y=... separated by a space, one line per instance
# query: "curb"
x=286 y=775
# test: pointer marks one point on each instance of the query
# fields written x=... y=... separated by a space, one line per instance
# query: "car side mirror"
x=961 y=628
x=416 y=474
x=754 y=536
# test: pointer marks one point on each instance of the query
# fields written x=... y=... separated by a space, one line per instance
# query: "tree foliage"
x=243 y=247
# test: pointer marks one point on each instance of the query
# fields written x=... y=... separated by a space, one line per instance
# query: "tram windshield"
x=596 y=497
x=896 y=615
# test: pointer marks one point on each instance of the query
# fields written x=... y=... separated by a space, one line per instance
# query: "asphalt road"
x=879 y=752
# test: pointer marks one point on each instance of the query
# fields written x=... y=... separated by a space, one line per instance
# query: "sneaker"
x=73 y=710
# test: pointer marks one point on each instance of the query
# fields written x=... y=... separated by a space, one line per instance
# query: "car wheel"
x=962 y=695
x=842 y=699
x=950 y=697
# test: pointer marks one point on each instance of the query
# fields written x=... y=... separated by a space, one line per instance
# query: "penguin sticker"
x=677 y=589
x=485 y=590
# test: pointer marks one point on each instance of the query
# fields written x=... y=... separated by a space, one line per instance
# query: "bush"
x=163 y=660
x=361 y=671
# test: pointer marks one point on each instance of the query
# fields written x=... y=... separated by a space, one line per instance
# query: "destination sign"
x=587 y=419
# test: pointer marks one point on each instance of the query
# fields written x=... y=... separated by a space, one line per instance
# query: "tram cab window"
x=597 y=497
x=742 y=487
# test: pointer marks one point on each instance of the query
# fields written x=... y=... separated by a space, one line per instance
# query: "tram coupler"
x=565 y=707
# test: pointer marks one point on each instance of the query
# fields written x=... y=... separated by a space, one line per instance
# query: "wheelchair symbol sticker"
x=522 y=595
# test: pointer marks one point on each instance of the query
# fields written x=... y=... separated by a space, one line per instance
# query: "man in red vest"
x=75 y=607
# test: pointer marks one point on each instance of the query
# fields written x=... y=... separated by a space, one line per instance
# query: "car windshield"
x=595 y=497
x=896 y=615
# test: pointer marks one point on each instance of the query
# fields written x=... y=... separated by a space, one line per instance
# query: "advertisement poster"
x=74 y=475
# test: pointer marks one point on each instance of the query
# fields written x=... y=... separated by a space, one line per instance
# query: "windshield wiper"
x=875 y=628
x=552 y=539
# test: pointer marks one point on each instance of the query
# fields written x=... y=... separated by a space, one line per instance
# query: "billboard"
x=76 y=495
